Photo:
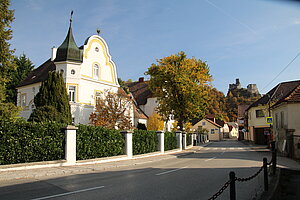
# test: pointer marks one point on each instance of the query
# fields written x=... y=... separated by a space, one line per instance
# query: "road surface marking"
x=210 y=159
x=222 y=152
x=223 y=148
x=174 y=170
x=68 y=193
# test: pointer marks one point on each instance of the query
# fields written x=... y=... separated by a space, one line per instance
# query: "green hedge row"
x=144 y=142
x=170 y=141
x=97 y=142
x=189 y=139
x=22 y=142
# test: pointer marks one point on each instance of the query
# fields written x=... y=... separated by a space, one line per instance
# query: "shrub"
x=189 y=139
x=144 y=142
x=22 y=142
x=97 y=142
x=170 y=141
x=44 y=114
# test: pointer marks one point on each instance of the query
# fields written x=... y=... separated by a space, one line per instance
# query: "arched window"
x=96 y=71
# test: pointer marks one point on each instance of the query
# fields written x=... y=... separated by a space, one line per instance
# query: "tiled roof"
x=140 y=91
x=277 y=93
x=217 y=125
x=292 y=97
x=39 y=74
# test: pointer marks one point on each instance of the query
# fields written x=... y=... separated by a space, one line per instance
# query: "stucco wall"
x=211 y=136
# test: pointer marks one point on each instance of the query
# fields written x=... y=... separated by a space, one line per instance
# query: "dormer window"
x=96 y=71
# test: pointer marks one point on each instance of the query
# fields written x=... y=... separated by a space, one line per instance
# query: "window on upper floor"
x=203 y=123
x=23 y=99
x=72 y=93
x=259 y=113
x=96 y=71
x=276 y=121
x=281 y=119
x=212 y=131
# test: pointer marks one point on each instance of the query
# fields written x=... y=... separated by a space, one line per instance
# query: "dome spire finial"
x=71 y=17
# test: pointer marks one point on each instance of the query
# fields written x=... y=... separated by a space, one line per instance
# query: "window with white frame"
x=96 y=71
x=23 y=100
x=72 y=93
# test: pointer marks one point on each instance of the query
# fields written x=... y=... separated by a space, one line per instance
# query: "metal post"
x=232 y=186
x=274 y=161
x=265 y=165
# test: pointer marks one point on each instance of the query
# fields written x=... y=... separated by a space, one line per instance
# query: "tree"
x=23 y=67
x=52 y=93
x=112 y=111
x=180 y=83
x=155 y=123
x=217 y=104
x=6 y=54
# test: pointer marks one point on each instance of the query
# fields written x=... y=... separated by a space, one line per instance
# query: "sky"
x=257 y=41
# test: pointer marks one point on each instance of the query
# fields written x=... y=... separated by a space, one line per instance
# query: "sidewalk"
x=26 y=175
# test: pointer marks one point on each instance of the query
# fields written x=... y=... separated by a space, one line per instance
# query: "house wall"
x=281 y=126
x=209 y=126
x=256 y=122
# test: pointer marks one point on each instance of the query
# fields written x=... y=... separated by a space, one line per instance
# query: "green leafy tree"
x=217 y=104
x=23 y=67
x=6 y=54
x=52 y=93
x=180 y=83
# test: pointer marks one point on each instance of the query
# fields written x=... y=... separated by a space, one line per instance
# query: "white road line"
x=68 y=193
x=222 y=152
x=174 y=170
x=223 y=148
x=210 y=159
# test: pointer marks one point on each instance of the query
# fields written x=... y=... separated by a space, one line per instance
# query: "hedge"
x=144 y=142
x=189 y=139
x=97 y=142
x=170 y=141
x=22 y=142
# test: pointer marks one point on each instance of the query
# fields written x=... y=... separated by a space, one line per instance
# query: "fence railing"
x=233 y=179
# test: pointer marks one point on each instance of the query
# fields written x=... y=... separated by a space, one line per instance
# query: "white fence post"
x=184 y=140
x=161 y=141
x=179 y=139
x=128 y=143
x=70 y=145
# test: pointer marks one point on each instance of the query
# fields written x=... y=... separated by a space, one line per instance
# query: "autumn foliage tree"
x=155 y=123
x=180 y=83
x=112 y=111
x=217 y=104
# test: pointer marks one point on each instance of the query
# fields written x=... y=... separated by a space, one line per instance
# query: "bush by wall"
x=170 y=141
x=97 y=142
x=144 y=142
x=189 y=139
x=22 y=142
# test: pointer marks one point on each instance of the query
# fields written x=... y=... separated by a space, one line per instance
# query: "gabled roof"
x=140 y=91
x=68 y=50
x=292 y=97
x=217 y=125
x=277 y=93
x=39 y=74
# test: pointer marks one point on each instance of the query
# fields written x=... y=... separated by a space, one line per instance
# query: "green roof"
x=68 y=50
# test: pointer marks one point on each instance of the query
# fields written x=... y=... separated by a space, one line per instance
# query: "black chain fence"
x=232 y=181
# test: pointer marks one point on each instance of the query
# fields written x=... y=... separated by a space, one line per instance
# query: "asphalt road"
x=197 y=175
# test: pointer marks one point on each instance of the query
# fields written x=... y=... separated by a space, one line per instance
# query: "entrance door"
x=260 y=137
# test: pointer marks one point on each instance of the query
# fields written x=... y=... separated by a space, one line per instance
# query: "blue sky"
x=248 y=39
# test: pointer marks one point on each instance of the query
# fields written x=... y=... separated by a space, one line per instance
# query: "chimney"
x=141 y=79
x=53 y=55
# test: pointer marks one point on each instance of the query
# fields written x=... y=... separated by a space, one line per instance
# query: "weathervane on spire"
x=98 y=31
x=71 y=16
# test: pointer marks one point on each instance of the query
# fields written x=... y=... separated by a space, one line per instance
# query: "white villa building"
x=87 y=71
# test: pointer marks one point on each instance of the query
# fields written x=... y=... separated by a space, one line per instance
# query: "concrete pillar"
x=194 y=141
x=70 y=146
x=128 y=143
x=179 y=139
x=184 y=140
x=161 y=141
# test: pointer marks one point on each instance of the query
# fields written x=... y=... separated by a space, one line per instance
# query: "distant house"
x=258 y=129
x=215 y=131
x=145 y=99
x=286 y=121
